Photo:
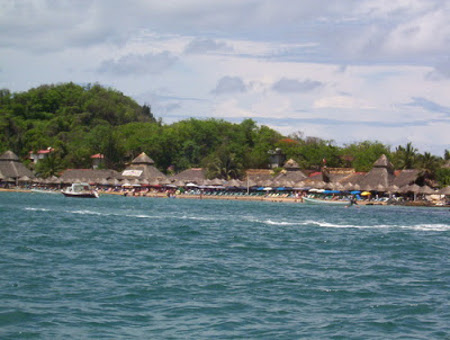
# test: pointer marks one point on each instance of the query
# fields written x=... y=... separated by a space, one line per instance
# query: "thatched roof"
x=141 y=171
x=10 y=166
x=445 y=191
x=383 y=162
x=381 y=175
x=293 y=175
x=9 y=156
x=259 y=175
x=353 y=178
x=196 y=175
x=406 y=177
x=143 y=159
x=88 y=175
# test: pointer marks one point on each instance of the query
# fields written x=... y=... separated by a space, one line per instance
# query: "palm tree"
x=406 y=156
x=428 y=162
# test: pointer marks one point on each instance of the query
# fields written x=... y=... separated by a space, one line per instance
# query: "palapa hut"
x=11 y=167
x=142 y=167
x=381 y=175
x=406 y=177
x=88 y=175
x=193 y=175
x=291 y=172
x=258 y=176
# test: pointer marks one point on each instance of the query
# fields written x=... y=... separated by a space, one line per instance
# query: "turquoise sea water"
x=149 y=268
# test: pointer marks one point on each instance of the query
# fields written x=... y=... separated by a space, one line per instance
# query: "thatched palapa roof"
x=142 y=168
x=87 y=175
x=406 y=177
x=11 y=167
x=381 y=175
x=195 y=175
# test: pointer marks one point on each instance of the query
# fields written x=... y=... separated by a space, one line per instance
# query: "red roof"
x=98 y=155
x=48 y=150
x=315 y=174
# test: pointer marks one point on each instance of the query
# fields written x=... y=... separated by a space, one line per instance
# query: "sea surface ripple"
x=148 y=268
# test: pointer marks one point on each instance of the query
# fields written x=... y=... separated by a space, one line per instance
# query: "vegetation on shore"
x=79 y=121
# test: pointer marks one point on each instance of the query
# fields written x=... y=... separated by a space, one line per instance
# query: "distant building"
x=40 y=154
x=11 y=169
x=142 y=167
x=97 y=160
x=276 y=158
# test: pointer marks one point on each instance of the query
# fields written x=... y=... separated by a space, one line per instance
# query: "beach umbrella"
x=266 y=183
x=233 y=183
x=155 y=183
x=366 y=193
x=426 y=190
x=348 y=186
x=103 y=182
x=356 y=187
x=268 y=189
x=329 y=186
x=445 y=191
x=191 y=185
x=300 y=184
x=113 y=182
x=144 y=182
x=250 y=183
x=318 y=184
x=216 y=181
x=179 y=183
x=414 y=188
x=380 y=188
x=392 y=188
x=164 y=181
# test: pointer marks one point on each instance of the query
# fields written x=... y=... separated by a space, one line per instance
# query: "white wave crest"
x=324 y=224
x=36 y=209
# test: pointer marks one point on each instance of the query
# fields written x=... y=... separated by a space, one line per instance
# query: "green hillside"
x=79 y=121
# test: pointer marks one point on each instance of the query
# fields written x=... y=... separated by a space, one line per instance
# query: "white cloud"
x=294 y=85
x=274 y=61
x=133 y=64
x=229 y=84
x=342 y=102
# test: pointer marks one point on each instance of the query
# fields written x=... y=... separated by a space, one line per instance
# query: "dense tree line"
x=78 y=121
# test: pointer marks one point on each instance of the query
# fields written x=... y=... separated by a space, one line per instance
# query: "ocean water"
x=148 y=268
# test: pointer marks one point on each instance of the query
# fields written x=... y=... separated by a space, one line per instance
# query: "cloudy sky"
x=347 y=70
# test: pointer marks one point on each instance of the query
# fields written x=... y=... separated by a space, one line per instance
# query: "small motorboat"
x=316 y=201
x=82 y=190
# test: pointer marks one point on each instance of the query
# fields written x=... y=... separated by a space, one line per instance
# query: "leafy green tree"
x=223 y=163
x=428 y=162
x=443 y=176
x=50 y=166
x=364 y=154
x=405 y=157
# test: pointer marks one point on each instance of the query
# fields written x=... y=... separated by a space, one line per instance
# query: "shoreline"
x=291 y=200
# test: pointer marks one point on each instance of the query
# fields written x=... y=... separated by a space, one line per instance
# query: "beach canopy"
x=445 y=191
x=331 y=192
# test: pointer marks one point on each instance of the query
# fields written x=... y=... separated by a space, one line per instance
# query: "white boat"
x=81 y=190
x=317 y=201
